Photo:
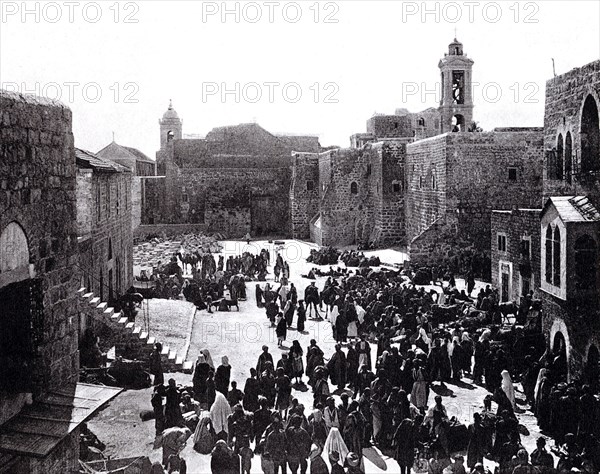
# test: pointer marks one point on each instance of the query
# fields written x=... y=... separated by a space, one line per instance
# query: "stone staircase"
x=127 y=337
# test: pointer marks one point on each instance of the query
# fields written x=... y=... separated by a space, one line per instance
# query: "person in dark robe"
x=155 y=363
x=158 y=408
x=259 y=296
x=541 y=458
x=314 y=359
x=263 y=358
x=301 y=316
x=337 y=368
x=457 y=359
x=352 y=367
x=267 y=384
x=222 y=376
x=295 y=356
x=341 y=327
x=404 y=444
x=353 y=429
x=210 y=393
x=477 y=448
x=529 y=379
x=281 y=329
x=288 y=312
x=223 y=460
x=251 y=392
x=173 y=416
x=260 y=420
x=364 y=379
x=201 y=371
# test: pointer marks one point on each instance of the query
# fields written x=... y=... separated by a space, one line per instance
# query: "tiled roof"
x=575 y=208
x=115 y=151
x=86 y=159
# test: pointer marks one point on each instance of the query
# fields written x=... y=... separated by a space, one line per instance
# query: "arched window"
x=170 y=135
x=590 y=136
x=556 y=257
x=354 y=187
x=549 y=254
x=568 y=157
x=585 y=263
x=421 y=122
x=559 y=157
x=109 y=249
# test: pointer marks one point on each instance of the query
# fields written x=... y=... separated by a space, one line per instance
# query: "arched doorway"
x=458 y=123
x=590 y=136
x=18 y=292
x=559 y=357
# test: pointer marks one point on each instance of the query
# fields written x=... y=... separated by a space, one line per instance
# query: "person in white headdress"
x=508 y=388
x=208 y=358
x=335 y=444
x=219 y=412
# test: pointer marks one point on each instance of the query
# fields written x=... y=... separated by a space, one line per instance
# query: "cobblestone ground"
x=240 y=336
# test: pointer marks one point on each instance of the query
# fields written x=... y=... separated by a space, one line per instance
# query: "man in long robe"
x=337 y=368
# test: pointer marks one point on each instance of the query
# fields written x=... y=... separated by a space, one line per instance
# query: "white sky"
x=374 y=52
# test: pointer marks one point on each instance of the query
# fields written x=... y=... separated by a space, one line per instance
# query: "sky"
x=307 y=67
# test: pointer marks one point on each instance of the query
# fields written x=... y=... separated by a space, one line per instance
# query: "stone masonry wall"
x=304 y=193
x=107 y=275
x=425 y=204
x=37 y=191
x=517 y=225
x=565 y=96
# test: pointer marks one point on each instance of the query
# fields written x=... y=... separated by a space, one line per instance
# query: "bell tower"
x=170 y=126
x=456 y=106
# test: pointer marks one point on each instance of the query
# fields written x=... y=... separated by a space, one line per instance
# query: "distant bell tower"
x=456 y=106
x=170 y=126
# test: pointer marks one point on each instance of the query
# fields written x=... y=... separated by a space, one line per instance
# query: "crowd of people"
x=423 y=340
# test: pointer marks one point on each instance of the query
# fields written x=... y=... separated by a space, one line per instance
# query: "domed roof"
x=170 y=113
x=456 y=43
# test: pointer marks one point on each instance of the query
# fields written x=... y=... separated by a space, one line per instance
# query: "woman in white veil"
x=335 y=444
x=508 y=388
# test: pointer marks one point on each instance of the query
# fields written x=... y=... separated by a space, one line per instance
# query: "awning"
x=40 y=427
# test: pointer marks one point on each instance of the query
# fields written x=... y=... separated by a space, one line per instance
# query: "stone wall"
x=565 y=96
x=516 y=225
x=136 y=202
x=467 y=175
x=304 y=193
x=106 y=255
x=37 y=183
x=143 y=232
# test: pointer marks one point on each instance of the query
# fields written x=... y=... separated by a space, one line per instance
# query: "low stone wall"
x=144 y=231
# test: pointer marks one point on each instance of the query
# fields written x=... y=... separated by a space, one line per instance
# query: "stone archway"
x=560 y=349
x=14 y=255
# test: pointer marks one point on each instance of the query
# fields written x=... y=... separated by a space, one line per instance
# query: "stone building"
x=515 y=253
x=140 y=166
x=234 y=181
x=455 y=180
x=39 y=356
x=349 y=196
x=570 y=220
x=104 y=229
x=133 y=159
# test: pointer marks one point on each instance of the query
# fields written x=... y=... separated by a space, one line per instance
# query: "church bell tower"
x=170 y=126
x=456 y=106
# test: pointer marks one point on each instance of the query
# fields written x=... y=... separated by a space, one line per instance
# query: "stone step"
x=116 y=317
x=188 y=367
x=95 y=301
x=144 y=335
x=137 y=331
x=165 y=351
x=130 y=325
x=151 y=341
x=102 y=306
x=81 y=291
x=179 y=362
x=123 y=321
x=109 y=312
x=88 y=296
x=172 y=356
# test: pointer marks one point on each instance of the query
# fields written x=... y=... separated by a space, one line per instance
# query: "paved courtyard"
x=240 y=335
